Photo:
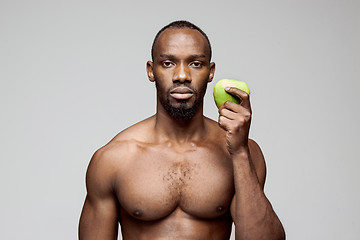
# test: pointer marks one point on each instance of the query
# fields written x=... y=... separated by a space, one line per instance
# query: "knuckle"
x=245 y=95
x=221 y=120
x=241 y=121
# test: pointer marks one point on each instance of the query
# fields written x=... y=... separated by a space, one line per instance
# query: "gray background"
x=72 y=75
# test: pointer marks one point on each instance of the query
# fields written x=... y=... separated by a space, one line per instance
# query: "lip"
x=181 y=93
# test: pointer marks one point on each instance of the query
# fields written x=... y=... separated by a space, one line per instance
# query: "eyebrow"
x=198 y=56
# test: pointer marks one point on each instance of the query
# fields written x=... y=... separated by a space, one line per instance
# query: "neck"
x=179 y=130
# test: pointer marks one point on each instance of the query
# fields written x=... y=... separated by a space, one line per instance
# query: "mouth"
x=181 y=93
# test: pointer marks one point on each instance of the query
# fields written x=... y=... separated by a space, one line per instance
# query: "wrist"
x=240 y=152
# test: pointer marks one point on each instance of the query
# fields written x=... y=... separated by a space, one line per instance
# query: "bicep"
x=258 y=161
x=99 y=217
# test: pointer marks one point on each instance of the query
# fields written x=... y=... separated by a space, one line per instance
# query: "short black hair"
x=181 y=24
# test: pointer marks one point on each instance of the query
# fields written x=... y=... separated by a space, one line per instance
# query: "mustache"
x=183 y=85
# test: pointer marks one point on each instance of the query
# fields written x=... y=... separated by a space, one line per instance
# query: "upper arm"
x=99 y=217
x=258 y=160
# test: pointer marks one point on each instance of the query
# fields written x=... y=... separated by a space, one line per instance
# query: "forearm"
x=254 y=217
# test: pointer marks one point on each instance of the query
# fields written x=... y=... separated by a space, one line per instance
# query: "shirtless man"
x=178 y=174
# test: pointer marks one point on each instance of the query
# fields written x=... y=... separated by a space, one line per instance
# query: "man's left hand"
x=235 y=119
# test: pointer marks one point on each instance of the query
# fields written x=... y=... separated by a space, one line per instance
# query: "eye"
x=167 y=64
x=196 y=64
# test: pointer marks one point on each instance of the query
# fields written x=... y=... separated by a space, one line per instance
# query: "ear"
x=212 y=71
x=150 y=70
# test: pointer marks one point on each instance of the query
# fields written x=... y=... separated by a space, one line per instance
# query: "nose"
x=182 y=73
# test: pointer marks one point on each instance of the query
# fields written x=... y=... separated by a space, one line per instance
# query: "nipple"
x=220 y=208
x=137 y=213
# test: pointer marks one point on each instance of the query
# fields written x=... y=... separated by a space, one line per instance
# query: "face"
x=181 y=70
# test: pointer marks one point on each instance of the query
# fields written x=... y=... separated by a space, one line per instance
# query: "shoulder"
x=118 y=149
x=103 y=167
x=124 y=143
x=111 y=160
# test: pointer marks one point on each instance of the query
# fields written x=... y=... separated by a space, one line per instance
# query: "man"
x=178 y=174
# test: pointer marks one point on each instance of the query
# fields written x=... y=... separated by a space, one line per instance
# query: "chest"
x=199 y=182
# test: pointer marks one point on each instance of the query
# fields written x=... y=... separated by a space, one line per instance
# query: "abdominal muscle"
x=178 y=225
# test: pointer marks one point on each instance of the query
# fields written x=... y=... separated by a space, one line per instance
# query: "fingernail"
x=227 y=88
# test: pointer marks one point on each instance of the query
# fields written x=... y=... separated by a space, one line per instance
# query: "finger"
x=236 y=108
x=230 y=106
x=243 y=96
x=227 y=113
x=225 y=123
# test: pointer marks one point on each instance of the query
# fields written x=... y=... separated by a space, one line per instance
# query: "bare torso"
x=167 y=190
x=171 y=176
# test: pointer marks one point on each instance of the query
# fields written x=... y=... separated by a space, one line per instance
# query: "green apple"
x=221 y=96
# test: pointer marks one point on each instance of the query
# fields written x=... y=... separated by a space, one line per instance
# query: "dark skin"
x=169 y=178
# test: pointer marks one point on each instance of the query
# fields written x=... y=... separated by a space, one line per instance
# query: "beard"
x=183 y=109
